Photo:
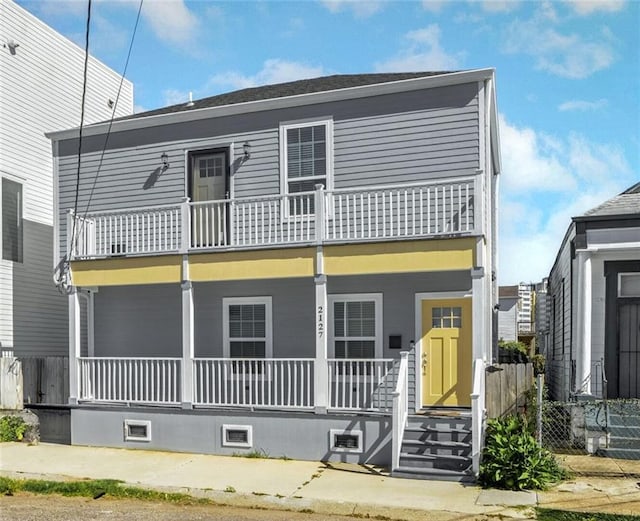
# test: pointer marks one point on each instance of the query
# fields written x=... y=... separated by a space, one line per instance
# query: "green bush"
x=12 y=428
x=513 y=459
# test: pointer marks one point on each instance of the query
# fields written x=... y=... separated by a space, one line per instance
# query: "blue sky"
x=568 y=80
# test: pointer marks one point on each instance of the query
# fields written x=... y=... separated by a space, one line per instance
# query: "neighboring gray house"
x=299 y=268
x=40 y=91
x=594 y=302
x=508 y=313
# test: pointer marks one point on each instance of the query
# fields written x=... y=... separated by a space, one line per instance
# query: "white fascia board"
x=361 y=91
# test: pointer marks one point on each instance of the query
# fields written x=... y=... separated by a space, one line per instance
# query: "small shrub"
x=12 y=428
x=513 y=459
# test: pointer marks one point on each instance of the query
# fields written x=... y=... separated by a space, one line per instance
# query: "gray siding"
x=139 y=321
x=507 y=320
x=385 y=139
x=558 y=356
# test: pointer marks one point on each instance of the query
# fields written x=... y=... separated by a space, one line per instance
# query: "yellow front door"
x=446 y=352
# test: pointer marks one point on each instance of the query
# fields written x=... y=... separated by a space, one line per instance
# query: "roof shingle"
x=282 y=90
x=626 y=203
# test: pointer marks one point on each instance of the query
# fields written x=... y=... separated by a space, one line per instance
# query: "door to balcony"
x=446 y=352
x=210 y=192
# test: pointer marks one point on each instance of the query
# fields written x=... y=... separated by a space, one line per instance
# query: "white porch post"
x=321 y=366
x=321 y=369
x=74 y=345
x=188 y=343
x=91 y=321
x=583 y=353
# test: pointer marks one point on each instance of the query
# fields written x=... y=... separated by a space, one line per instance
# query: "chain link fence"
x=594 y=429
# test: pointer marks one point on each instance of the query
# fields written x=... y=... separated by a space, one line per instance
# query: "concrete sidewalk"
x=324 y=488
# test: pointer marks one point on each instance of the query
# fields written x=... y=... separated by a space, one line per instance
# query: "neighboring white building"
x=40 y=91
x=526 y=294
x=508 y=313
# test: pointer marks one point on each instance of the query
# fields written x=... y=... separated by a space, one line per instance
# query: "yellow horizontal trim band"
x=123 y=272
x=400 y=257
x=248 y=265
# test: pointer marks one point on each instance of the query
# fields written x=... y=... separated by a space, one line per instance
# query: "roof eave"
x=360 y=91
x=607 y=217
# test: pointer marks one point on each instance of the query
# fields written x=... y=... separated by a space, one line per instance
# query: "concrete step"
x=623 y=442
x=437 y=434
x=433 y=474
x=628 y=454
x=439 y=422
x=445 y=448
x=435 y=461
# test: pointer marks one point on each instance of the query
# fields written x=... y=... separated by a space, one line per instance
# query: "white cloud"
x=531 y=162
x=273 y=71
x=546 y=180
x=499 y=6
x=587 y=7
x=360 y=8
x=423 y=53
x=171 y=21
x=174 y=97
x=566 y=55
x=435 y=6
x=583 y=105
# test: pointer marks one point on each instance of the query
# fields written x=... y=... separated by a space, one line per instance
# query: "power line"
x=106 y=139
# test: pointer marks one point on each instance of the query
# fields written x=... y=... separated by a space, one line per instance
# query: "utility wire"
x=115 y=107
x=82 y=105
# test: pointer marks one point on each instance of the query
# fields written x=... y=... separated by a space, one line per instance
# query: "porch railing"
x=441 y=207
x=361 y=384
x=478 y=410
x=255 y=382
x=400 y=411
x=139 y=380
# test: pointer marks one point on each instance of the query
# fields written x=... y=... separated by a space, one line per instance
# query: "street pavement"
x=338 y=488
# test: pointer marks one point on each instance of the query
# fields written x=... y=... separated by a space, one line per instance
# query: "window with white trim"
x=12 y=222
x=247 y=328
x=306 y=159
x=356 y=325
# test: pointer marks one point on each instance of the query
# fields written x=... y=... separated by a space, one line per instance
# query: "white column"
x=74 y=345
x=91 y=335
x=583 y=352
x=321 y=369
x=188 y=342
x=479 y=316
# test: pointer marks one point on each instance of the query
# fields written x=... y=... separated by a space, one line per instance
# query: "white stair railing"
x=400 y=411
x=478 y=413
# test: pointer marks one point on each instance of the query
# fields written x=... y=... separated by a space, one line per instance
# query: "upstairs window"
x=12 y=232
x=307 y=160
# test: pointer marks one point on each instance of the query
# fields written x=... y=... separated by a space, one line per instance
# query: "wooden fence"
x=45 y=379
x=506 y=389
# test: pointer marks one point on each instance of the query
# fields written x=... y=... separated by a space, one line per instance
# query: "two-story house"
x=305 y=269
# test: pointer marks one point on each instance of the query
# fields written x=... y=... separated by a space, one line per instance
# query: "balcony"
x=447 y=207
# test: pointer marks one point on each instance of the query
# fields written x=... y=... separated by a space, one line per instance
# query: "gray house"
x=304 y=268
x=593 y=341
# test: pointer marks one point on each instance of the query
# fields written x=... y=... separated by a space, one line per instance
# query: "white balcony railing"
x=129 y=380
x=436 y=208
x=254 y=382
x=362 y=384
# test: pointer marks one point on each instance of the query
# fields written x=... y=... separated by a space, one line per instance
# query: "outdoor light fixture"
x=164 y=158
x=247 y=150
x=12 y=46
